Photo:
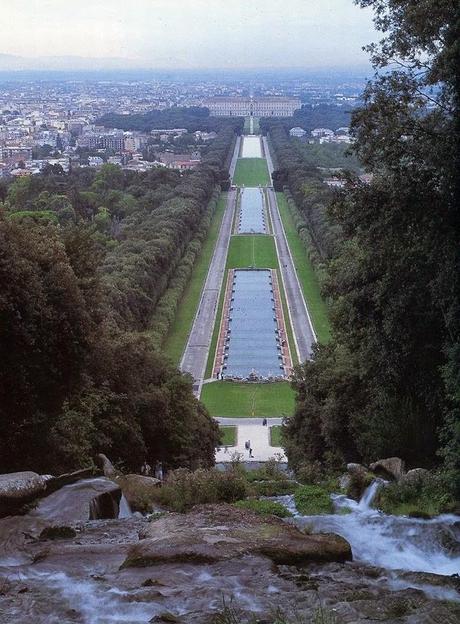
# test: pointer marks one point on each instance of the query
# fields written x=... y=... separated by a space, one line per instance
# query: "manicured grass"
x=176 y=339
x=252 y=251
x=215 y=331
x=287 y=321
x=246 y=125
x=251 y=172
x=308 y=280
x=227 y=398
x=227 y=435
x=275 y=436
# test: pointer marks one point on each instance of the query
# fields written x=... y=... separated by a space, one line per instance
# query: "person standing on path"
x=250 y=452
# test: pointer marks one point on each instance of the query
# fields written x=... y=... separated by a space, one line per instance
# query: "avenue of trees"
x=84 y=260
x=389 y=381
x=192 y=118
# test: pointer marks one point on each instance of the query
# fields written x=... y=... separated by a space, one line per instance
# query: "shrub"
x=311 y=500
x=264 y=507
x=423 y=497
x=183 y=489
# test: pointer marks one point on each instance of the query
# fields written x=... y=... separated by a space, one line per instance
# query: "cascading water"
x=391 y=542
x=124 y=508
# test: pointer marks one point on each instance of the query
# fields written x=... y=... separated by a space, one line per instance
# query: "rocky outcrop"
x=414 y=477
x=19 y=488
x=360 y=479
x=90 y=499
x=211 y=533
x=106 y=466
x=139 y=490
x=389 y=468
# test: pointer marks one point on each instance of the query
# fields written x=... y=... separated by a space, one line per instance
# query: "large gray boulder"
x=89 y=499
x=389 y=468
x=19 y=488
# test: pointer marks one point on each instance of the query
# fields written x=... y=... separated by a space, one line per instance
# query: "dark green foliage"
x=388 y=384
x=192 y=119
x=264 y=507
x=423 y=497
x=310 y=117
x=77 y=378
x=311 y=500
x=305 y=184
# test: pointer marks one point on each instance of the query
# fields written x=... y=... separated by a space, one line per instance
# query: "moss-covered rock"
x=211 y=533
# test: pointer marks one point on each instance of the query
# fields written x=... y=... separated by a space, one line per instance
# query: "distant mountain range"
x=11 y=62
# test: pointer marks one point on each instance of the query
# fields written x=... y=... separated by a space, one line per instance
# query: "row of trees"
x=84 y=259
x=192 y=118
x=388 y=383
x=304 y=182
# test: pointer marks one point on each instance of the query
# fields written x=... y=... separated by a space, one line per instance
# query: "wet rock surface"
x=212 y=533
x=18 y=488
x=82 y=579
x=78 y=502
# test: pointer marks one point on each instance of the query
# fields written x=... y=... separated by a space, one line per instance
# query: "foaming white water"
x=391 y=542
x=93 y=603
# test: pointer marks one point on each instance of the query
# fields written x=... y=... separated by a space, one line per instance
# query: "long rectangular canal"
x=252 y=342
x=252 y=217
x=252 y=147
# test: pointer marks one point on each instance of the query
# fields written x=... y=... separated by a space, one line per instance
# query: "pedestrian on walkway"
x=264 y=422
x=250 y=452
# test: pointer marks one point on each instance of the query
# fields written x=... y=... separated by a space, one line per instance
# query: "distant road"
x=235 y=157
x=301 y=324
x=196 y=351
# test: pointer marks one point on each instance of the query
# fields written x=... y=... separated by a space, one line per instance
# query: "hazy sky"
x=191 y=33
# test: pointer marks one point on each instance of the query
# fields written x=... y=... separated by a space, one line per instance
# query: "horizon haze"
x=157 y=35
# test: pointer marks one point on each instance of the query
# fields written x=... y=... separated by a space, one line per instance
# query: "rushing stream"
x=391 y=542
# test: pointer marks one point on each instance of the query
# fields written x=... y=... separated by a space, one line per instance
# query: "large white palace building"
x=252 y=106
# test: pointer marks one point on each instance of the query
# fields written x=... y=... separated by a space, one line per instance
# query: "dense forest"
x=389 y=381
x=84 y=260
x=303 y=182
x=192 y=118
x=310 y=117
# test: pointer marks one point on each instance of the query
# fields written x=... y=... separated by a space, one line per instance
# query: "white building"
x=252 y=106
x=318 y=133
x=297 y=132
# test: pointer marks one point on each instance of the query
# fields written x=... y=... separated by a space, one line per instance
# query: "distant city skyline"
x=198 y=34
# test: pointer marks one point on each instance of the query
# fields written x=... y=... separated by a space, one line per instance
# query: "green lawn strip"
x=275 y=436
x=247 y=125
x=231 y=399
x=176 y=339
x=256 y=125
x=287 y=321
x=227 y=435
x=251 y=172
x=306 y=274
x=256 y=251
x=215 y=331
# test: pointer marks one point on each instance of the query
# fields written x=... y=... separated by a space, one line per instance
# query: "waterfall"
x=125 y=509
x=369 y=494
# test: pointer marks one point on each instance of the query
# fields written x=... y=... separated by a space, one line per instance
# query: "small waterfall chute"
x=124 y=508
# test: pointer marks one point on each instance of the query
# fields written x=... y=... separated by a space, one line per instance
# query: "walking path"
x=259 y=435
x=236 y=152
x=304 y=335
x=196 y=351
